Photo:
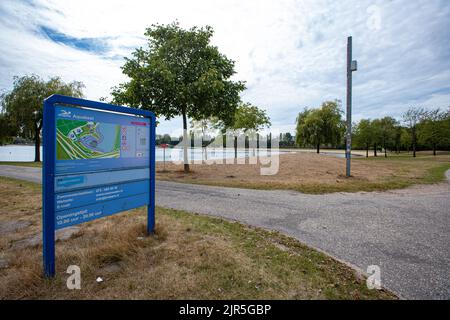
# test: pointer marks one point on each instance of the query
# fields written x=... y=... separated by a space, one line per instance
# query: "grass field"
x=21 y=164
x=189 y=257
x=313 y=173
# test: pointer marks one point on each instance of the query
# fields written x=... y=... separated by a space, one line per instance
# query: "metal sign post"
x=99 y=159
x=351 y=67
x=164 y=146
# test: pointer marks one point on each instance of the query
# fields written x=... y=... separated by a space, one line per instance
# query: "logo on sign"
x=65 y=114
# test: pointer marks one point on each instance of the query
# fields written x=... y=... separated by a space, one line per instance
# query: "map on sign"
x=88 y=140
x=77 y=139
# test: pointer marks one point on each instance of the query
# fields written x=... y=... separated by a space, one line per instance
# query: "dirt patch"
x=13 y=226
x=31 y=241
x=110 y=268
x=311 y=173
x=3 y=263
x=36 y=239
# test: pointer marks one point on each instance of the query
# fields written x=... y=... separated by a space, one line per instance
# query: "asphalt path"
x=404 y=232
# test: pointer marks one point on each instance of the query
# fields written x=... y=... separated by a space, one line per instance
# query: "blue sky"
x=290 y=53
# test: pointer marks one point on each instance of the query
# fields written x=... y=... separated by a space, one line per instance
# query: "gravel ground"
x=405 y=232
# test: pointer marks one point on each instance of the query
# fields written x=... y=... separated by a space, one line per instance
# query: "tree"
x=311 y=131
x=376 y=128
x=321 y=126
x=246 y=118
x=398 y=137
x=180 y=74
x=333 y=125
x=405 y=139
x=286 y=139
x=363 y=134
x=387 y=132
x=249 y=117
x=432 y=130
x=412 y=117
x=163 y=139
x=204 y=129
x=23 y=104
x=300 y=136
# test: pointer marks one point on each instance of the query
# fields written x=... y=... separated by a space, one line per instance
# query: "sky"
x=291 y=54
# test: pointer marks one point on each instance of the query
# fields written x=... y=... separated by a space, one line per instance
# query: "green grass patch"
x=436 y=174
x=21 y=183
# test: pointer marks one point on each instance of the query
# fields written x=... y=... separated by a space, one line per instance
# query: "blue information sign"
x=99 y=159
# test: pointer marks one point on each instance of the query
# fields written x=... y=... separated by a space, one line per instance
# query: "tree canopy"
x=434 y=129
x=248 y=117
x=363 y=134
x=424 y=128
x=180 y=74
x=23 y=105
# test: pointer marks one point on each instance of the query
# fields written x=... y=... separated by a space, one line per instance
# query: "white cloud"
x=291 y=53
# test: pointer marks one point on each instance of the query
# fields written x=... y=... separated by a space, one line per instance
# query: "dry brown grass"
x=313 y=173
x=189 y=257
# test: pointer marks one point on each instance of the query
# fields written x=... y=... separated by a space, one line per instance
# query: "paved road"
x=22 y=173
x=405 y=232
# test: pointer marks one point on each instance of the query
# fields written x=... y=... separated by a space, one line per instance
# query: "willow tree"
x=320 y=126
x=180 y=73
x=7 y=130
x=23 y=104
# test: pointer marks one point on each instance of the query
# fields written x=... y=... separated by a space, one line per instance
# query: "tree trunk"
x=235 y=147
x=247 y=148
x=375 y=150
x=318 y=148
x=37 y=145
x=385 y=151
x=367 y=150
x=224 y=147
x=185 y=142
x=434 y=149
x=414 y=142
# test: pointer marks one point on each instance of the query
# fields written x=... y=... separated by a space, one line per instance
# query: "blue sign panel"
x=93 y=140
x=80 y=198
x=99 y=159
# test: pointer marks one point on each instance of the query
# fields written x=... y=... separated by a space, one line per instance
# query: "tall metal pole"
x=349 y=107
